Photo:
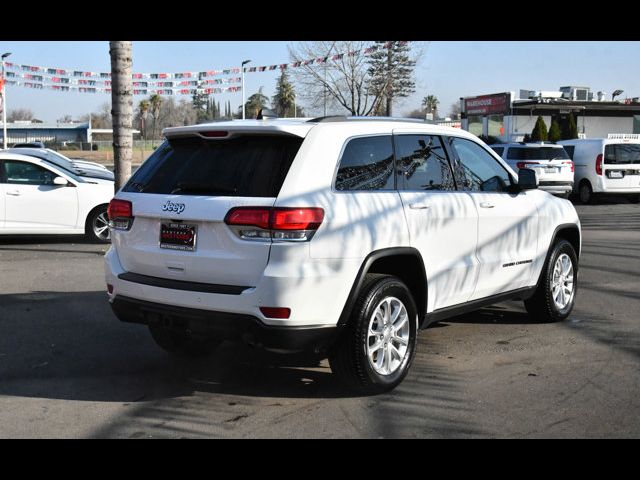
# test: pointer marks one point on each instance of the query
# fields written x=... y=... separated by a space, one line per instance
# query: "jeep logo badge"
x=173 y=207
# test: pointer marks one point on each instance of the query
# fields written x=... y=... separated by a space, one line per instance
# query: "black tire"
x=180 y=342
x=585 y=193
x=348 y=357
x=97 y=219
x=634 y=198
x=541 y=306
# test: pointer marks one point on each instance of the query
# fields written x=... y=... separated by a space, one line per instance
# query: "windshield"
x=54 y=159
x=537 y=153
x=622 y=153
x=246 y=166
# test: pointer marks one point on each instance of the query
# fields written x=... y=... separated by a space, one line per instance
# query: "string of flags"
x=65 y=80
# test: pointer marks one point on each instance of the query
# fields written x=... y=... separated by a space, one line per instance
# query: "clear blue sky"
x=448 y=70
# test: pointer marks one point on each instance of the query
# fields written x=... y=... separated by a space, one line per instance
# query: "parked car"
x=34 y=144
x=551 y=163
x=606 y=165
x=39 y=197
x=337 y=235
x=78 y=167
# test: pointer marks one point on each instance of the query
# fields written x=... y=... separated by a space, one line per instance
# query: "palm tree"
x=430 y=104
x=122 y=104
x=143 y=108
x=285 y=98
x=155 y=101
x=255 y=103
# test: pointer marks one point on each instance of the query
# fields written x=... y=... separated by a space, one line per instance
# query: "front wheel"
x=97 y=227
x=555 y=295
x=376 y=349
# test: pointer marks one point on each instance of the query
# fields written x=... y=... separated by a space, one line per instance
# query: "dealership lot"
x=68 y=368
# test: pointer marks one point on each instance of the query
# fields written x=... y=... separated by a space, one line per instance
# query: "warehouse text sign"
x=488 y=104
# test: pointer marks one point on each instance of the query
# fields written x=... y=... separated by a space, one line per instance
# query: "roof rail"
x=328 y=118
x=343 y=118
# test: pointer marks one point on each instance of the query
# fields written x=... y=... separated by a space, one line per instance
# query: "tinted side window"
x=421 y=163
x=476 y=169
x=498 y=150
x=366 y=164
x=25 y=173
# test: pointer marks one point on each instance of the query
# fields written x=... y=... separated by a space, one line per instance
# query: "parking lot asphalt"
x=68 y=368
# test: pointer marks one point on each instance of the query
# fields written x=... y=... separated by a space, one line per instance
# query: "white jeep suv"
x=339 y=235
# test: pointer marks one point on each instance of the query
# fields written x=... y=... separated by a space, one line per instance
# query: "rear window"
x=542 y=153
x=245 y=166
x=622 y=153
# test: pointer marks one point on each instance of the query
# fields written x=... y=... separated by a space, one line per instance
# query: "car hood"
x=95 y=173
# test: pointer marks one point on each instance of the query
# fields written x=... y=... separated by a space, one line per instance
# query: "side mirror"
x=527 y=179
x=60 y=181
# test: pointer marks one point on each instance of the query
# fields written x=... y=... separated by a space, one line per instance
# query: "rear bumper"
x=222 y=325
x=556 y=187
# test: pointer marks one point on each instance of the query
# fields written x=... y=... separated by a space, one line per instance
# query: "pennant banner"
x=87 y=81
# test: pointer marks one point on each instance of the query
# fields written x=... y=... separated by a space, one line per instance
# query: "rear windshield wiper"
x=202 y=188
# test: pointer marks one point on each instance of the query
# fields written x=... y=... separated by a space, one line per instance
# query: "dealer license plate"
x=178 y=236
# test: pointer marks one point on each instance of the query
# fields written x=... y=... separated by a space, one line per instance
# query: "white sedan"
x=39 y=197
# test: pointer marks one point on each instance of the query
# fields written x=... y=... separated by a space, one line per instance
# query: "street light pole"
x=4 y=103
x=242 y=71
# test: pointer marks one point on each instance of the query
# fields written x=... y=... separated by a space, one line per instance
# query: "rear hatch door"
x=181 y=196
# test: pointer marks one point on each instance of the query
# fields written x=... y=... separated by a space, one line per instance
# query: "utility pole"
x=242 y=70
x=4 y=103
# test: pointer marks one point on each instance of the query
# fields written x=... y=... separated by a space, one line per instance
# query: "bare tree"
x=342 y=83
x=122 y=112
x=19 y=114
x=455 y=110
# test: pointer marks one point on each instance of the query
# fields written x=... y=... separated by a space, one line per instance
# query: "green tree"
x=200 y=101
x=155 y=101
x=391 y=72
x=572 y=128
x=539 y=133
x=143 y=112
x=554 y=132
x=430 y=104
x=285 y=97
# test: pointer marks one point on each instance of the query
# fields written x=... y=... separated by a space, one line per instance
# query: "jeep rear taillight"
x=275 y=223
x=599 y=165
x=120 y=213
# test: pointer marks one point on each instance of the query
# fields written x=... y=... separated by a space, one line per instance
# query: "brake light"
x=215 y=134
x=296 y=218
x=599 y=164
x=524 y=164
x=571 y=164
x=279 y=223
x=276 y=312
x=120 y=213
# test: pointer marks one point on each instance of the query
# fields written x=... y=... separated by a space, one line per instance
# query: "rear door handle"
x=15 y=193
x=418 y=206
x=487 y=205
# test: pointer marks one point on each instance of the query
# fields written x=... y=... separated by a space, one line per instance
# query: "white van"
x=606 y=165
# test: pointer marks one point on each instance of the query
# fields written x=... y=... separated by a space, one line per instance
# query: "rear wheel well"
x=408 y=268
